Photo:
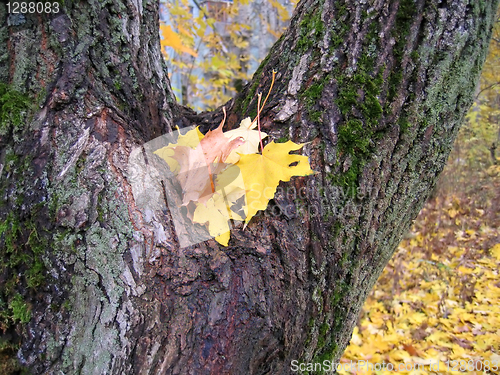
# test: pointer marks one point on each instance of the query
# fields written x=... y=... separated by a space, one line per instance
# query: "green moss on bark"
x=21 y=261
x=242 y=104
x=14 y=108
x=311 y=28
x=404 y=18
x=359 y=98
x=358 y=102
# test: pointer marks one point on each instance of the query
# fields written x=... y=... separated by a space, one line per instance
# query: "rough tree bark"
x=92 y=285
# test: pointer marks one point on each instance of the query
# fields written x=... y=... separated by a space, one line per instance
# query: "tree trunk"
x=92 y=284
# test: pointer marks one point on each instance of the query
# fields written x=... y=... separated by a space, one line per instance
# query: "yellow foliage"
x=211 y=42
x=171 y=39
x=495 y=251
x=445 y=308
x=282 y=11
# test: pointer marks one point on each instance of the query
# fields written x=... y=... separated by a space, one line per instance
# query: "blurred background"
x=212 y=48
x=438 y=300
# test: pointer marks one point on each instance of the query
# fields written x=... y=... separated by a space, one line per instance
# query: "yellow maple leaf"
x=217 y=215
x=356 y=337
x=216 y=211
x=230 y=183
x=399 y=355
x=172 y=39
x=452 y=213
x=262 y=173
x=465 y=270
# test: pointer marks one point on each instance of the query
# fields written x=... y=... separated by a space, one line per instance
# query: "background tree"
x=443 y=267
x=90 y=284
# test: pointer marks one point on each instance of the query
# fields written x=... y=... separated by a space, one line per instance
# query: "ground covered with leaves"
x=437 y=303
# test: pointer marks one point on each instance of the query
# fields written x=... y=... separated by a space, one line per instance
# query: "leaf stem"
x=265 y=100
x=270 y=88
x=224 y=119
x=259 y=108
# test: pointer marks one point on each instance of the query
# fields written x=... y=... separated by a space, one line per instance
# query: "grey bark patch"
x=289 y=109
x=296 y=81
x=75 y=152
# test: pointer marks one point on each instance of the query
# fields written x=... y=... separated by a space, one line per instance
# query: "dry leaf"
x=194 y=163
x=495 y=251
x=191 y=139
x=217 y=147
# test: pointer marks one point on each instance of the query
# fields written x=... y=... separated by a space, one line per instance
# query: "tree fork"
x=90 y=284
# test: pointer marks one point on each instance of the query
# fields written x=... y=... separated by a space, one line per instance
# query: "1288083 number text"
x=32 y=7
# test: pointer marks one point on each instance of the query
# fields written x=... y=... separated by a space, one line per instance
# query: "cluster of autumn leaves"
x=437 y=303
x=223 y=176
